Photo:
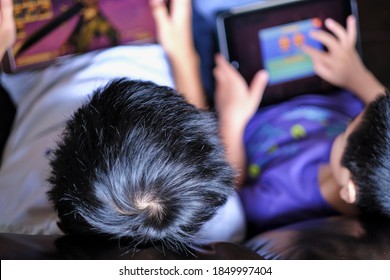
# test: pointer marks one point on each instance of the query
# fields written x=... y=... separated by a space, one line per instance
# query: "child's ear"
x=351 y=192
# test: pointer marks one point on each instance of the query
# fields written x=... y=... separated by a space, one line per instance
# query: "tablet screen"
x=270 y=37
x=281 y=53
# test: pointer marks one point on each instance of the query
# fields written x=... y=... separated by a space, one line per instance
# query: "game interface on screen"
x=280 y=48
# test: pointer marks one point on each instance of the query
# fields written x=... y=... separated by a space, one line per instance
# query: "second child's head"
x=365 y=159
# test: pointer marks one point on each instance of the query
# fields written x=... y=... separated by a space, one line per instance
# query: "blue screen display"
x=281 y=50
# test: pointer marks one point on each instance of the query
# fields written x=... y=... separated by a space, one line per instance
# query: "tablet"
x=268 y=35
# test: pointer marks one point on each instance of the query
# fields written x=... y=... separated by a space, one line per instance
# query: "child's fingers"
x=323 y=71
x=224 y=65
x=320 y=60
x=181 y=8
x=220 y=60
x=257 y=86
x=219 y=67
x=338 y=30
x=159 y=11
x=7 y=25
x=6 y=11
x=325 y=38
x=351 y=30
x=315 y=54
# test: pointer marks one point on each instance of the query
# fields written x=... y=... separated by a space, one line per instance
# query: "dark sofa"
x=333 y=238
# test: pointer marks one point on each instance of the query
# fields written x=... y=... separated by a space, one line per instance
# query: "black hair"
x=367 y=157
x=136 y=161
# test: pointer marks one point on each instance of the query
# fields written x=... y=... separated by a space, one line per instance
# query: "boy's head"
x=139 y=162
x=366 y=158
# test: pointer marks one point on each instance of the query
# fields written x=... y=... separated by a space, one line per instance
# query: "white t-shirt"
x=45 y=100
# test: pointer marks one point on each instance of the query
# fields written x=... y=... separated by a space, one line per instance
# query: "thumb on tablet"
x=257 y=85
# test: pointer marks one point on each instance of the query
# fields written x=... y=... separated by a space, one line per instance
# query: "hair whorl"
x=138 y=162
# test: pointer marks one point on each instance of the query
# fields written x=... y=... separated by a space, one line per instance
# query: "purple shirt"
x=285 y=146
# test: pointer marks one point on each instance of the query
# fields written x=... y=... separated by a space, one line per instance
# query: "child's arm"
x=174 y=33
x=236 y=103
x=341 y=64
x=7 y=26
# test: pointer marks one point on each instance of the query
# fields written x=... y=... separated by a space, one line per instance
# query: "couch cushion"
x=21 y=246
x=332 y=238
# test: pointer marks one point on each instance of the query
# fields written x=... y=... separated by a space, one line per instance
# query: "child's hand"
x=7 y=26
x=236 y=102
x=234 y=99
x=341 y=63
x=174 y=29
x=174 y=33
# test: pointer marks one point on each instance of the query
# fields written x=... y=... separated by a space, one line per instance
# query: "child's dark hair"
x=367 y=157
x=139 y=162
